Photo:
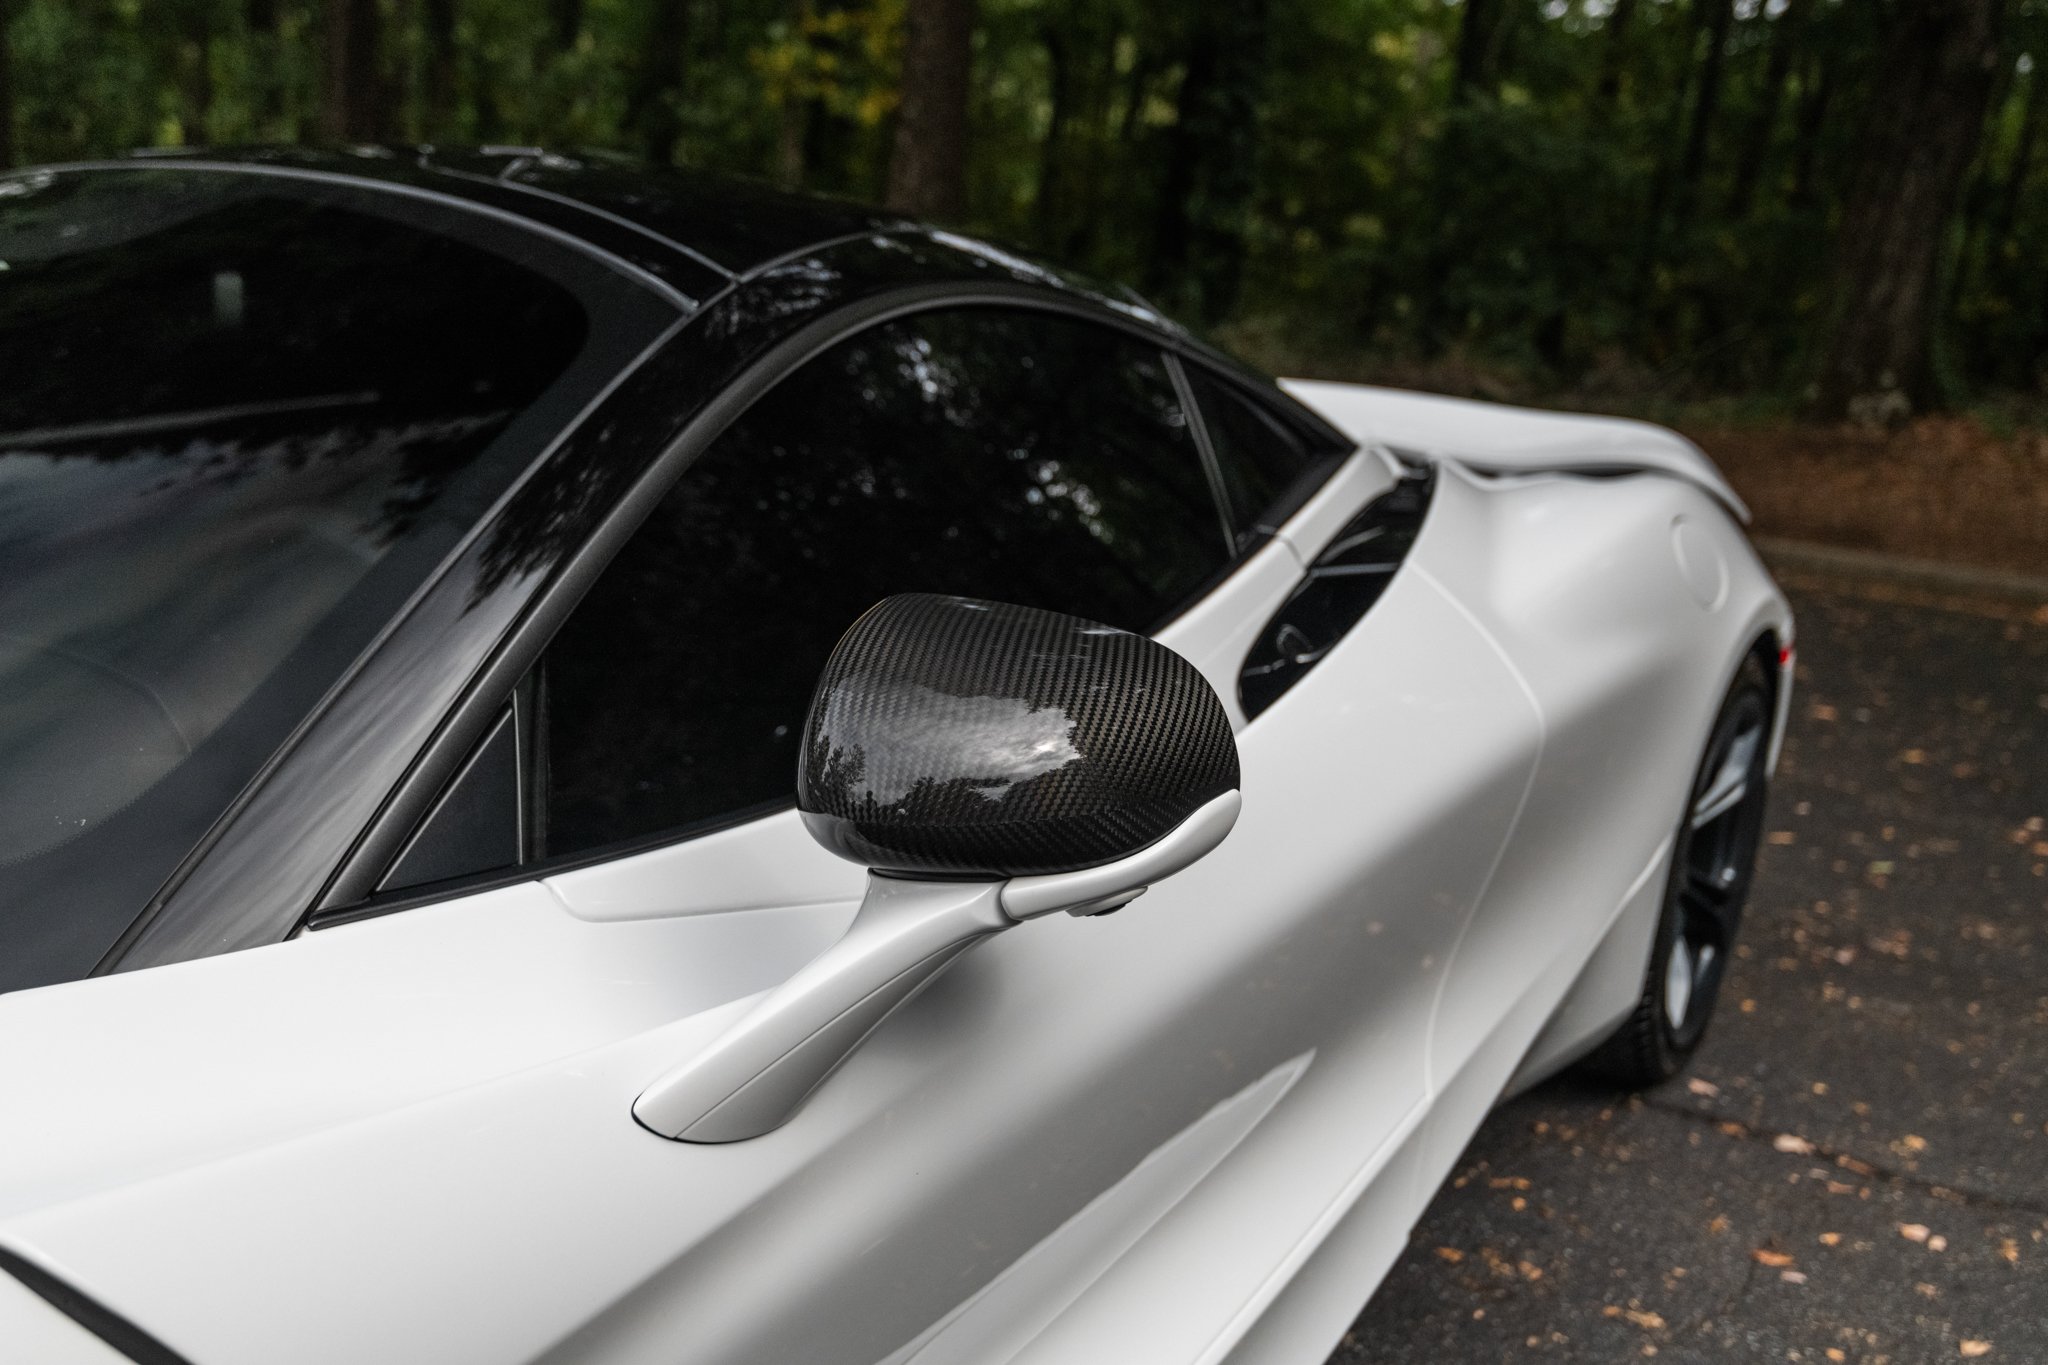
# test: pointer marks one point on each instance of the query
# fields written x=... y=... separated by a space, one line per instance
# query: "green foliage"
x=1314 y=165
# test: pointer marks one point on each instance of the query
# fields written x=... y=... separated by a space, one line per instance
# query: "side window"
x=1261 y=460
x=1009 y=454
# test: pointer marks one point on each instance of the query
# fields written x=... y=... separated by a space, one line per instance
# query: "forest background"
x=1805 y=231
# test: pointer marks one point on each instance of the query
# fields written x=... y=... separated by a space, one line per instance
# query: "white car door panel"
x=410 y=1137
x=762 y=864
x=1578 y=581
x=1439 y=746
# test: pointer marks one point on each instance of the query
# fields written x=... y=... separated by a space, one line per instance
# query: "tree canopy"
x=1838 y=201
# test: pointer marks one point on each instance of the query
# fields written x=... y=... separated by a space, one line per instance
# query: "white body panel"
x=1502 y=439
x=1196 y=1130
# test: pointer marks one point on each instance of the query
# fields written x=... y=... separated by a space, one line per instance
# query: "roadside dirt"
x=1943 y=488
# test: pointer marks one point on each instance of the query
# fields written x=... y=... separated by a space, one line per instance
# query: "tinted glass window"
x=1259 y=456
x=225 y=408
x=1017 y=456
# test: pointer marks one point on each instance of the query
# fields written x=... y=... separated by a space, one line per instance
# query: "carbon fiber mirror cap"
x=960 y=739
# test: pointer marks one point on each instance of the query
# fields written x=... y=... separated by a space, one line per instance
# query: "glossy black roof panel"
x=727 y=226
x=731 y=222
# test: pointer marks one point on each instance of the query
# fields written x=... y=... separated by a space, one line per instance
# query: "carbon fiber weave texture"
x=952 y=737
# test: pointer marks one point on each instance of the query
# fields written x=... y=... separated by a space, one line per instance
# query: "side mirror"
x=989 y=764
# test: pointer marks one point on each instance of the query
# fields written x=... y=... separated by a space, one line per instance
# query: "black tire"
x=1712 y=862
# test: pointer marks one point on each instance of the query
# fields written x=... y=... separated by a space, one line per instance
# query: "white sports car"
x=546 y=711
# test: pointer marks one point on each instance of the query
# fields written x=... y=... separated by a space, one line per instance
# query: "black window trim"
x=1205 y=447
x=1328 y=446
x=351 y=895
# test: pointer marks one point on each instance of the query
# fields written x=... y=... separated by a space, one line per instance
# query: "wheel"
x=1712 y=861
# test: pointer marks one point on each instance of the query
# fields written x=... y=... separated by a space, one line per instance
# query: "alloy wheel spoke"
x=1731 y=780
x=1707 y=883
x=1679 y=977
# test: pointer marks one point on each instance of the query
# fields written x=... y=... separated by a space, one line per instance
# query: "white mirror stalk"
x=1097 y=890
x=753 y=1077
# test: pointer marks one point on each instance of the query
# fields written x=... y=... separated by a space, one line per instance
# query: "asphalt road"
x=1855 y=1168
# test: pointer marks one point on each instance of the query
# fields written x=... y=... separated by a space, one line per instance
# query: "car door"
x=417 y=1139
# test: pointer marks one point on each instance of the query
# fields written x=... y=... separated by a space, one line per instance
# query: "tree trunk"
x=1813 y=114
x=565 y=23
x=793 y=113
x=1756 y=142
x=266 y=93
x=199 y=91
x=1206 y=193
x=928 y=162
x=657 y=76
x=1650 y=241
x=351 y=110
x=1472 y=66
x=438 y=20
x=1714 y=18
x=1060 y=91
x=1613 y=59
x=6 y=87
x=2006 y=211
x=1935 y=77
x=792 y=132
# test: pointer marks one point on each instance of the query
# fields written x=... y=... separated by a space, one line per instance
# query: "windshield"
x=229 y=405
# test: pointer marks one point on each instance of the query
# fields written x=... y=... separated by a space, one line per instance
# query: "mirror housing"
x=957 y=739
x=990 y=764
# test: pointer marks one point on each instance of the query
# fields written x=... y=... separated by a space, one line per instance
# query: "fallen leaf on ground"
x=1795 y=1146
x=2010 y=1250
x=1913 y=1232
x=1643 y=1318
x=1913 y=1143
x=1774 y=1259
x=1700 y=1087
x=1830 y=1239
x=1972 y=1348
x=1937 y=1243
x=1451 y=1254
x=1792 y=1276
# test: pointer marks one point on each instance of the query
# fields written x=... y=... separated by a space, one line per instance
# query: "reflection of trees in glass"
x=224 y=405
x=1015 y=456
